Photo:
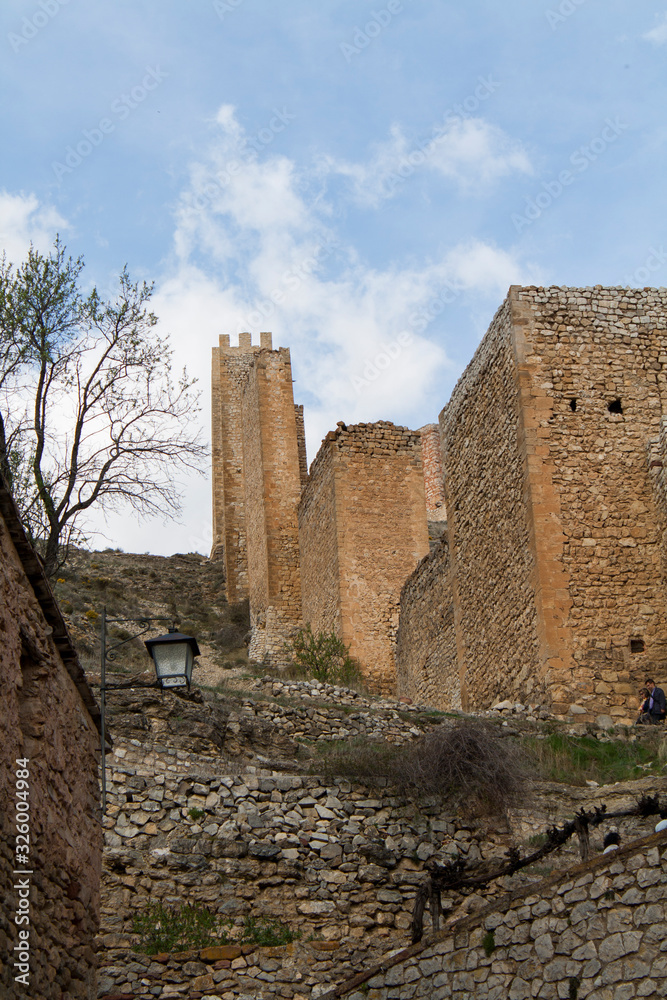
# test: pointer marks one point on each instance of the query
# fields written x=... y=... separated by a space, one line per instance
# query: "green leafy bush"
x=266 y=933
x=324 y=656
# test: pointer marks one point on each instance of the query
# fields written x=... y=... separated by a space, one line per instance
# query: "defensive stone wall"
x=272 y=490
x=366 y=492
x=426 y=654
x=46 y=718
x=552 y=450
x=434 y=486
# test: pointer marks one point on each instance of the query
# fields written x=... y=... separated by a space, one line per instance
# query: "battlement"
x=245 y=344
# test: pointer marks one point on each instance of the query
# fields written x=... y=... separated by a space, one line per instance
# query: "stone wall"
x=434 y=486
x=372 y=477
x=552 y=461
x=230 y=368
x=426 y=654
x=597 y=933
x=46 y=717
x=272 y=490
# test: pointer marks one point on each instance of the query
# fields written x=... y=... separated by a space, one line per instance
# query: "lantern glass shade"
x=173 y=656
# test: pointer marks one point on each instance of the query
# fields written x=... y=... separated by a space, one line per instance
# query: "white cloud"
x=658 y=35
x=23 y=221
x=253 y=252
x=470 y=152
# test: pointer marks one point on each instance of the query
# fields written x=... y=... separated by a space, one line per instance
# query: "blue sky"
x=363 y=179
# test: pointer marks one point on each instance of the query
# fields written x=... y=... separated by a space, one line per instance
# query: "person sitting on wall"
x=611 y=842
x=643 y=718
x=656 y=703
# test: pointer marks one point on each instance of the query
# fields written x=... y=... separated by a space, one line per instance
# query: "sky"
x=365 y=180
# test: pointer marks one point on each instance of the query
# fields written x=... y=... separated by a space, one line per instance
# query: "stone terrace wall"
x=426 y=656
x=44 y=719
x=272 y=489
x=592 y=369
x=381 y=534
x=493 y=569
x=433 y=481
x=597 y=933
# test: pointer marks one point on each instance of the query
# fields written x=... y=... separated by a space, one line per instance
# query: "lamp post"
x=173 y=658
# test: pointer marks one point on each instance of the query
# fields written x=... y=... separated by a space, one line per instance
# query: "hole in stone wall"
x=637 y=645
x=615 y=406
x=573 y=405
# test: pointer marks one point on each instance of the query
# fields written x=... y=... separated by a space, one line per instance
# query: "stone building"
x=50 y=849
x=550 y=584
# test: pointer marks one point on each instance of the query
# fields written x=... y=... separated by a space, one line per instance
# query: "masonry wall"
x=591 y=369
x=493 y=566
x=434 y=486
x=597 y=934
x=272 y=482
x=318 y=546
x=426 y=654
x=229 y=372
x=376 y=478
x=44 y=719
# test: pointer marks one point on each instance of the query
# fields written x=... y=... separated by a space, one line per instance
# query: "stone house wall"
x=48 y=716
x=373 y=480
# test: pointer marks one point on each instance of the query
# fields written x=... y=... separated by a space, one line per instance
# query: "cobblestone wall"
x=598 y=934
x=375 y=475
x=43 y=718
x=426 y=654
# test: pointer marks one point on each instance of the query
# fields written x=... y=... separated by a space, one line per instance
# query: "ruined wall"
x=434 y=486
x=597 y=932
x=591 y=364
x=381 y=534
x=493 y=565
x=44 y=719
x=229 y=372
x=272 y=484
x=426 y=655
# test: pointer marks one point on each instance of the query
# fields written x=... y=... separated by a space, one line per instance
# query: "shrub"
x=324 y=656
x=178 y=928
x=266 y=933
x=195 y=813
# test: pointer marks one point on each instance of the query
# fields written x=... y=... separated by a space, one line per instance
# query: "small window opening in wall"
x=573 y=405
x=637 y=645
x=615 y=406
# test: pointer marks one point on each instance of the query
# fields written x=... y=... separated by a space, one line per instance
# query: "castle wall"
x=434 y=486
x=381 y=534
x=272 y=489
x=581 y=355
x=44 y=719
x=426 y=653
x=229 y=372
x=318 y=545
x=493 y=566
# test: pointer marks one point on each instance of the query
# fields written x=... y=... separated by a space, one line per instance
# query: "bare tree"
x=90 y=414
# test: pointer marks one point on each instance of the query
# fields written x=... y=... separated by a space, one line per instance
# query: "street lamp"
x=173 y=657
